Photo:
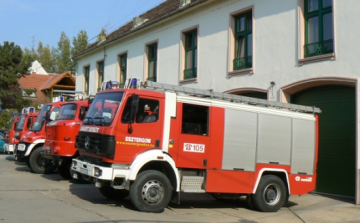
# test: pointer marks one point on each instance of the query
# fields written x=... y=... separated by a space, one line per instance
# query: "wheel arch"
x=36 y=143
x=281 y=173
x=156 y=160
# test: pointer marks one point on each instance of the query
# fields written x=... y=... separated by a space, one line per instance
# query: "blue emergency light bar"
x=61 y=98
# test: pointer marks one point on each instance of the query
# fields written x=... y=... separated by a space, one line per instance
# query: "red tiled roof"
x=32 y=81
x=156 y=14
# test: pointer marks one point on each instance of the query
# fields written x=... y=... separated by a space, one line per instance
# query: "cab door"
x=190 y=136
x=140 y=131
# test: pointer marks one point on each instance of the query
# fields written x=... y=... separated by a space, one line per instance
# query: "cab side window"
x=148 y=111
x=195 y=120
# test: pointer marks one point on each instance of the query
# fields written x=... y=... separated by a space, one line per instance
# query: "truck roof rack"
x=229 y=97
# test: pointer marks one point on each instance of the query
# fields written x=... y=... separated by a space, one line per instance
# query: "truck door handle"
x=171 y=141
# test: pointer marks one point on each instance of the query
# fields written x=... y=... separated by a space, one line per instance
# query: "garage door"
x=336 y=163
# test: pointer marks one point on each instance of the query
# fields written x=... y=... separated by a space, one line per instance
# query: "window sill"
x=330 y=56
x=240 y=72
x=190 y=80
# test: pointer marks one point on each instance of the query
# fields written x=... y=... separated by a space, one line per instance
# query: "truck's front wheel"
x=40 y=164
x=270 y=194
x=64 y=170
x=151 y=191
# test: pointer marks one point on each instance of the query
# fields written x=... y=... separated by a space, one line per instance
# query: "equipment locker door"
x=192 y=148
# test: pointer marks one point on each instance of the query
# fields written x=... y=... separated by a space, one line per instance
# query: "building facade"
x=298 y=51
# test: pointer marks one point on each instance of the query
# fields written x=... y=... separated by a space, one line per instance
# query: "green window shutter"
x=152 y=59
x=101 y=74
x=86 y=74
x=190 y=55
x=318 y=28
x=123 y=61
x=243 y=41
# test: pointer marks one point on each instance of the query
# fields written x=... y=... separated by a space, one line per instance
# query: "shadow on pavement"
x=349 y=200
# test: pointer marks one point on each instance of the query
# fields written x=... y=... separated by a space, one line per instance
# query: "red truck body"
x=10 y=141
x=61 y=135
x=31 y=143
x=197 y=141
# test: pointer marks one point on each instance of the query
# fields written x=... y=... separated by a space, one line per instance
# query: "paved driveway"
x=29 y=197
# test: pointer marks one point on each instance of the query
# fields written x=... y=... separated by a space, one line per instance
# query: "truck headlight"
x=97 y=172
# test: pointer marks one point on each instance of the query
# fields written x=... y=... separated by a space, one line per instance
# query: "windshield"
x=103 y=109
x=9 y=124
x=67 y=112
x=41 y=118
x=20 y=124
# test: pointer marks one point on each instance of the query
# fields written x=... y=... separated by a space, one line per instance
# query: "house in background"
x=41 y=88
x=292 y=51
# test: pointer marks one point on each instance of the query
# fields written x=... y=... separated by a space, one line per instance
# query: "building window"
x=243 y=41
x=190 y=55
x=123 y=63
x=100 y=67
x=86 y=79
x=152 y=58
x=195 y=120
x=30 y=93
x=318 y=27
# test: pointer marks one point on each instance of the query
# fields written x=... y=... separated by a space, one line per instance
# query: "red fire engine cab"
x=10 y=141
x=60 y=136
x=31 y=144
x=23 y=126
x=170 y=139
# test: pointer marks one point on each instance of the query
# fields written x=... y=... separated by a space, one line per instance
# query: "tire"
x=27 y=161
x=151 y=191
x=40 y=164
x=270 y=194
x=113 y=194
x=64 y=170
x=249 y=202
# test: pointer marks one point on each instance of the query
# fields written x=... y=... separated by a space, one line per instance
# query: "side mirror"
x=82 y=113
x=134 y=106
x=47 y=117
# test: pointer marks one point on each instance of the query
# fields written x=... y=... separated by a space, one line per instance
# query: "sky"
x=26 y=22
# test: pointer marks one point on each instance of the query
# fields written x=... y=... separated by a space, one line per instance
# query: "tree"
x=45 y=58
x=12 y=64
x=62 y=54
x=79 y=44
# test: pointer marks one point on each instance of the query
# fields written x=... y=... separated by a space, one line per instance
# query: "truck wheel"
x=270 y=194
x=64 y=170
x=40 y=164
x=113 y=194
x=151 y=191
x=27 y=161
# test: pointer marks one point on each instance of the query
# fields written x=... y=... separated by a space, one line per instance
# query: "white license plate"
x=83 y=171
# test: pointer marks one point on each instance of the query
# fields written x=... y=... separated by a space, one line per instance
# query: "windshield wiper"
x=102 y=121
x=88 y=123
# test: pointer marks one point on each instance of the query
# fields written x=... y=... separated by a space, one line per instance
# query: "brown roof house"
x=41 y=88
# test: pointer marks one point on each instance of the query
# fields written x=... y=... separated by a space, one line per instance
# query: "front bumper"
x=102 y=173
x=21 y=150
x=9 y=148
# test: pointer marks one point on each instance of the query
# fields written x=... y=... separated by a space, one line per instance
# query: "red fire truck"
x=31 y=144
x=23 y=126
x=170 y=139
x=60 y=139
x=10 y=141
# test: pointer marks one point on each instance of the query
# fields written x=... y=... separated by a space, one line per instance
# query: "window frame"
x=192 y=49
x=302 y=36
x=122 y=69
x=183 y=56
x=151 y=46
x=233 y=42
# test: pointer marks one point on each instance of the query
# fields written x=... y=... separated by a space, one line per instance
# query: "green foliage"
x=29 y=91
x=44 y=57
x=79 y=43
x=102 y=35
x=5 y=119
x=12 y=64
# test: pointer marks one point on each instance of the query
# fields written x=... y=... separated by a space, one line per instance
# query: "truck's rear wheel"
x=113 y=194
x=151 y=191
x=40 y=164
x=270 y=194
x=64 y=170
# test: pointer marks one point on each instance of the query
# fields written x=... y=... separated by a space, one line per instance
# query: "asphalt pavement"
x=29 y=197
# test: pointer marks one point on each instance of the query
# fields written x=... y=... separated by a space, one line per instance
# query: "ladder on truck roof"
x=229 y=97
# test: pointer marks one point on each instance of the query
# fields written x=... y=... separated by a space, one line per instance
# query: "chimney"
x=184 y=3
x=138 y=21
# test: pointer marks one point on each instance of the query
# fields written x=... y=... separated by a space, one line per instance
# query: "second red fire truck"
x=153 y=144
